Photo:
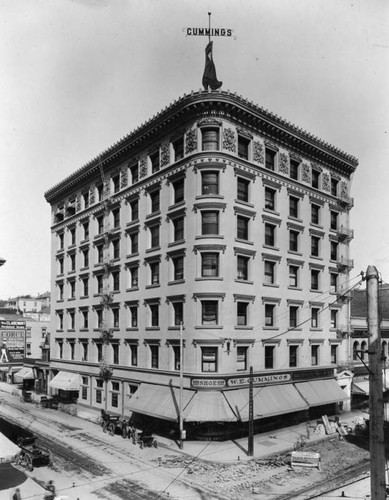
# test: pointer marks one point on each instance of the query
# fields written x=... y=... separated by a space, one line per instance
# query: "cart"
x=32 y=455
x=146 y=440
x=25 y=396
x=108 y=422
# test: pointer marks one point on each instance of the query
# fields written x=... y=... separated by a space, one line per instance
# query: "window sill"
x=245 y=203
x=270 y=211
x=209 y=278
x=209 y=327
x=153 y=249
x=152 y=328
x=295 y=219
x=315 y=291
x=71 y=298
x=315 y=257
x=315 y=329
x=130 y=255
x=177 y=242
x=247 y=242
x=85 y=268
x=295 y=252
x=270 y=328
x=176 y=282
x=207 y=196
x=270 y=247
x=84 y=329
x=60 y=300
x=132 y=329
x=175 y=328
x=318 y=226
x=153 y=214
x=176 y=205
x=155 y=285
x=243 y=327
x=133 y=289
x=272 y=285
x=247 y=282
x=209 y=236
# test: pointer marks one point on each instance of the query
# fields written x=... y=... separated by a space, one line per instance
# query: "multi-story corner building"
x=221 y=217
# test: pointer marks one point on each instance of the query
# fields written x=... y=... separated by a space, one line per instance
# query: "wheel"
x=111 y=429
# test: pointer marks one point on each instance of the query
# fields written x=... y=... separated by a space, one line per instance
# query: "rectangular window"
x=85 y=227
x=334 y=186
x=60 y=291
x=154 y=273
x=334 y=250
x=334 y=282
x=242 y=268
x=134 y=173
x=294 y=169
x=315 y=317
x=98 y=396
x=60 y=241
x=178 y=309
x=155 y=201
x=114 y=399
x=270 y=199
x=243 y=147
x=269 y=314
x=60 y=266
x=72 y=289
x=315 y=178
x=85 y=254
x=241 y=358
x=293 y=350
x=116 y=249
x=134 y=277
x=314 y=355
x=269 y=357
x=72 y=262
x=315 y=214
x=154 y=315
x=210 y=139
x=334 y=220
x=73 y=236
x=85 y=197
x=178 y=228
x=293 y=316
x=60 y=321
x=270 y=159
x=178 y=188
x=209 y=222
x=209 y=183
x=154 y=236
x=293 y=240
x=99 y=279
x=116 y=218
x=176 y=357
x=100 y=224
x=242 y=308
x=99 y=314
x=209 y=312
x=315 y=274
x=209 y=264
x=134 y=239
x=84 y=352
x=154 y=351
x=178 y=268
x=115 y=315
x=134 y=317
x=270 y=232
x=242 y=228
x=154 y=159
x=99 y=347
x=294 y=206
x=243 y=186
x=178 y=148
x=115 y=349
x=293 y=276
x=85 y=319
x=334 y=318
x=209 y=359
x=269 y=272
x=100 y=192
x=100 y=254
x=72 y=349
x=315 y=246
x=334 y=354
x=134 y=354
x=134 y=210
x=116 y=183
x=60 y=349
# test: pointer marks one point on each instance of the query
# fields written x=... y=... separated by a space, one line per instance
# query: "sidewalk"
x=269 y=443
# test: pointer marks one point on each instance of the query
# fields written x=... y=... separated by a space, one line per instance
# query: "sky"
x=78 y=75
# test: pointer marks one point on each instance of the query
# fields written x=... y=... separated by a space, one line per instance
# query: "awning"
x=159 y=401
x=209 y=406
x=66 y=381
x=361 y=388
x=268 y=401
x=321 y=392
x=25 y=374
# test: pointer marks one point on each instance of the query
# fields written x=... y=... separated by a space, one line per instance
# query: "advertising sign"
x=12 y=341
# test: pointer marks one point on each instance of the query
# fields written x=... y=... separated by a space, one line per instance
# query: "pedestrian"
x=17 y=495
x=50 y=487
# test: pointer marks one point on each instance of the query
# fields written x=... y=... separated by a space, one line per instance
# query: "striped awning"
x=66 y=381
x=321 y=392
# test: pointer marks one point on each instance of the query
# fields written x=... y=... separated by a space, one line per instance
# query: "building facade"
x=219 y=221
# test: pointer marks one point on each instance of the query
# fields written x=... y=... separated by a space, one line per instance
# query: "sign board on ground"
x=12 y=341
x=305 y=459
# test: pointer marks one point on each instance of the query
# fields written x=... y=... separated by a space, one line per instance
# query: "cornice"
x=199 y=104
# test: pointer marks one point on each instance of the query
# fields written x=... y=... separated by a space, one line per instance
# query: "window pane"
x=210 y=138
x=210 y=264
x=209 y=312
x=210 y=183
x=210 y=222
x=243 y=189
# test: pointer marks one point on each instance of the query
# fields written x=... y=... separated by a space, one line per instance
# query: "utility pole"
x=182 y=433
x=250 y=447
x=376 y=403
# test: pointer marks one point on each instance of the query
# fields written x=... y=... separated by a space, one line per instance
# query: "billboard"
x=12 y=341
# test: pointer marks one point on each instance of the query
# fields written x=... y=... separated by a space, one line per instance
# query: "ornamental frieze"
x=258 y=152
x=107 y=187
x=229 y=142
x=343 y=190
x=78 y=203
x=191 y=141
x=208 y=122
x=123 y=178
x=326 y=182
x=284 y=163
x=143 y=167
x=306 y=177
x=165 y=155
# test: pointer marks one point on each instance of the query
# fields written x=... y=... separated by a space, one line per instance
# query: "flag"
x=209 y=77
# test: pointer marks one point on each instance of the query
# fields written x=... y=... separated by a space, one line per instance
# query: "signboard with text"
x=12 y=341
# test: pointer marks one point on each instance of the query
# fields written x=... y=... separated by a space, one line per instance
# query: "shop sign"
x=12 y=341
x=261 y=379
x=208 y=383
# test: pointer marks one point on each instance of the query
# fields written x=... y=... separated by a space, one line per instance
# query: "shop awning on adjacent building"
x=159 y=401
x=361 y=387
x=268 y=401
x=25 y=374
x=209 y=406
x=66 y=381
x=321 y=392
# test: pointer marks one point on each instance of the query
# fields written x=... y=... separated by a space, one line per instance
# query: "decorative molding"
x=229 y=140
x=258 y=152
x=165 y=155
x=123 y=178
x=283 y=164
x=142 y=167
x=306 y=177
x=209 y=122
x=191 y=141
x=326 y=182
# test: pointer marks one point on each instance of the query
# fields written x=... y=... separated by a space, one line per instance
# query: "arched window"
x=355 y=349
x=363 y=349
